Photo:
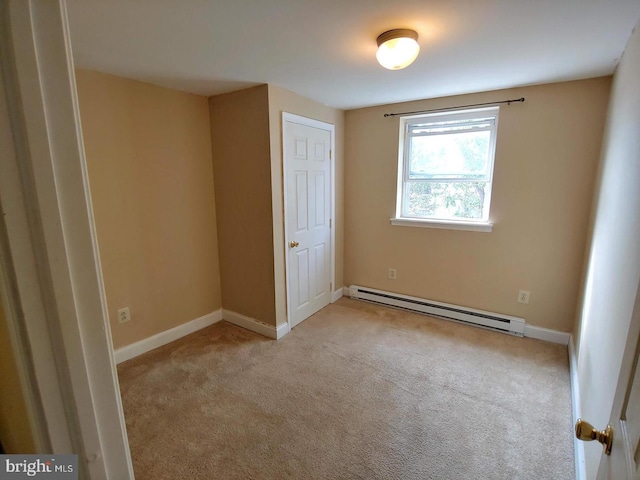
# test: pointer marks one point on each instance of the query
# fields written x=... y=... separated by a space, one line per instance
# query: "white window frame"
x=481 y=225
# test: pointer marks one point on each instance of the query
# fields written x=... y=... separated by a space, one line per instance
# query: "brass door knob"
x=293 y=244
x=585 y=431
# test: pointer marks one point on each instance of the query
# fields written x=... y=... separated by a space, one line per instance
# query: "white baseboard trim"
x=128 y=352
x=578 y=446
x=255 y=325
x=546 y=334
x=337 y=294
x=282 y=330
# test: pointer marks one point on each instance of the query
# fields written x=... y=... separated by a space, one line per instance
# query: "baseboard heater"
x=471 y=316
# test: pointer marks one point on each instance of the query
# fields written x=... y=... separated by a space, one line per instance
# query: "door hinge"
x=330 y=154
x=330 y=223
x=330 y=287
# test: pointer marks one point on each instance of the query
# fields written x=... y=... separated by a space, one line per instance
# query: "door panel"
x=302 y=263
x=624 y=461
x=321 y=258
x=319 y=200
x=308 y=204
x=631 y=417
x=300 y=200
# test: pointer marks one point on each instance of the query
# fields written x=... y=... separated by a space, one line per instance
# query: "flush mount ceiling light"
x=397 y=48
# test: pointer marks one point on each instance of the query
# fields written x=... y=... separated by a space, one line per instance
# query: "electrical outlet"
x=523 y=296
x=393 y=274
x=124 y=315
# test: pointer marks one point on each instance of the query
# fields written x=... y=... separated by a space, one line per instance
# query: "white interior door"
x=307 y=165
x=624 y=461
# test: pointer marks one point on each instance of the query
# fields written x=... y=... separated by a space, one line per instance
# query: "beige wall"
x=241 y=163
x=546 y=157
x=613 y=263
x=15 y=431
x=280 y=101
x=149 y=161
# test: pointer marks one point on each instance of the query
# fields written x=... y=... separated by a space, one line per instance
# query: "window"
x=445 y=169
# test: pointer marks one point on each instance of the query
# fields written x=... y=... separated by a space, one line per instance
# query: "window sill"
x=445 y=224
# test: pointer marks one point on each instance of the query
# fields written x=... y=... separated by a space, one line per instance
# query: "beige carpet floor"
x=357 y=391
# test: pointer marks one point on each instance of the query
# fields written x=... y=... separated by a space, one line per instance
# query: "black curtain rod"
x=508 y=102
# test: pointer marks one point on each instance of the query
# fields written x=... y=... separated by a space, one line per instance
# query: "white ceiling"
x=325 y=50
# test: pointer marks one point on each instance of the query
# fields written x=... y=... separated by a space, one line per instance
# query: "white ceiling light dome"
x=397 y=48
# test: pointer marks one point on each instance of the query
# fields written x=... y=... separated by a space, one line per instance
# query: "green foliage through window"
x=446 y=200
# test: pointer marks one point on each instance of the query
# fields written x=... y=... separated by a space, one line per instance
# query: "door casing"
x=55 y=303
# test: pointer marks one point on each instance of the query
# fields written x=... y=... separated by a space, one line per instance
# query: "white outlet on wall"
x=124 y=315
x=393 y=274
x=523 y=296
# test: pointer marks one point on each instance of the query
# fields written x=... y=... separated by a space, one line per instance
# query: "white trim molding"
x=546 y=334
x=337 y=294
x=282 y=330
x=50 y=249
x=578 y=446
x=128 y=352
x=256 y=325
x=443 y=224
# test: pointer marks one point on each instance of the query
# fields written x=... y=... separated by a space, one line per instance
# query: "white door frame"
x=310 y=122
x=51 y=275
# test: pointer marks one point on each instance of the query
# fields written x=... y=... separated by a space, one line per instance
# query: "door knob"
x=585 y=431
x=293 y=244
